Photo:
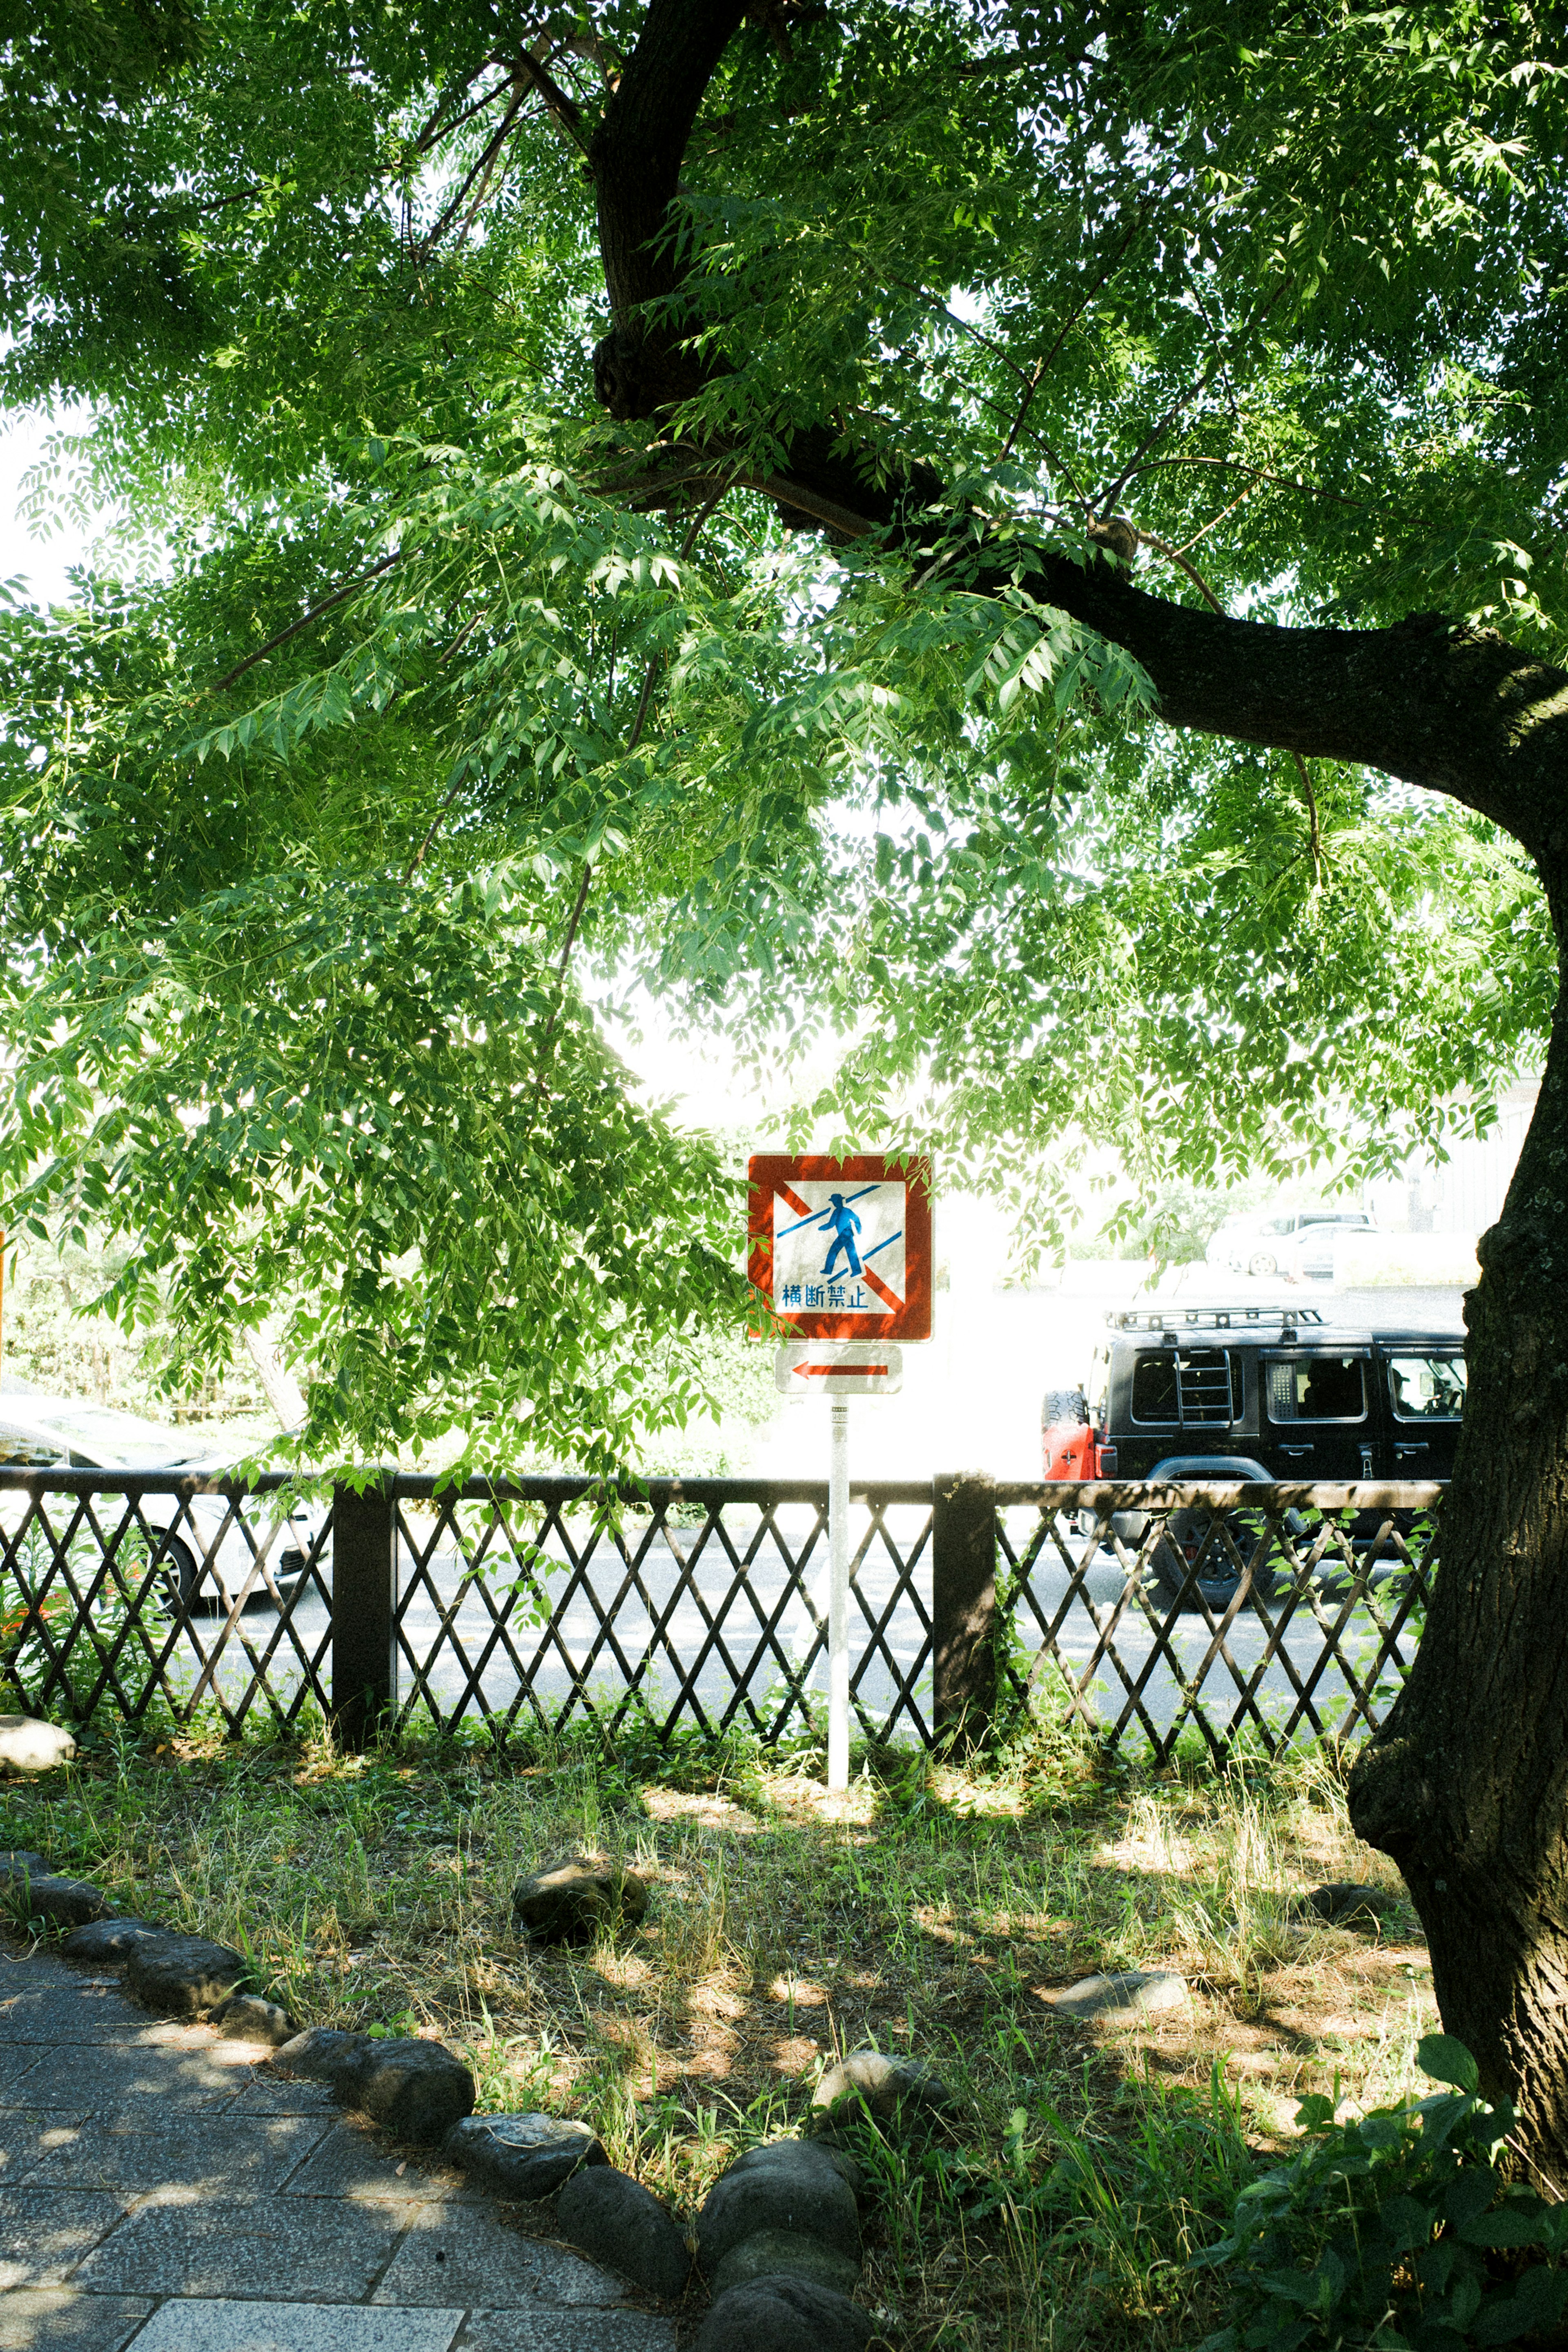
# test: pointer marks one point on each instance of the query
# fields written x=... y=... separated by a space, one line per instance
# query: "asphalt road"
x=736 y=1640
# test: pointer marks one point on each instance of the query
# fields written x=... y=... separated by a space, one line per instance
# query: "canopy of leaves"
x=431 y=712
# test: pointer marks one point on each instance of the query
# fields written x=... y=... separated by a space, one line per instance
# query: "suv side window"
x=1155 y=1387
x=1191 y=1388
x=1427 y=1388
x=1318 y=1388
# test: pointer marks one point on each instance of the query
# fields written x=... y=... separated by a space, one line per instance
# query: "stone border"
x=777 y=2236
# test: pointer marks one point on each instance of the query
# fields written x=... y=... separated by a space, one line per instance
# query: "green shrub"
x=1395 y=2231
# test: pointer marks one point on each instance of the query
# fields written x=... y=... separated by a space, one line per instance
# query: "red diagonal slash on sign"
x=796 y=1203
x=858 y=1372
x=874 y=1282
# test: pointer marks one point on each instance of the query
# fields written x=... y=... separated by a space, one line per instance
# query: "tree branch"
x=484 y=166
x=1153 y=438
x=338 y=596
x=636 y=154
x=1069 y=324
x=437 y=128
x=562 y=110
x=1457 y=710
x=1261 y=473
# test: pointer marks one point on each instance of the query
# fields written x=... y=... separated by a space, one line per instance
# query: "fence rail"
x=1145 y=1614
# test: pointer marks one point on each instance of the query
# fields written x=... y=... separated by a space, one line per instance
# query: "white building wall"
x=1462 y=1194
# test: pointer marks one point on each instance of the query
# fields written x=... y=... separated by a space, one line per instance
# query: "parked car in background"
x=210 y=1557
x=1256 y=1394
x=1298 y=1244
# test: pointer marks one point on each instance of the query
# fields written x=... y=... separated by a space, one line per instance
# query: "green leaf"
x=1536 y=2303
x=1446 y=2060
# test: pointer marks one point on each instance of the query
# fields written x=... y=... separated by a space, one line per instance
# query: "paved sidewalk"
x=159 y=2190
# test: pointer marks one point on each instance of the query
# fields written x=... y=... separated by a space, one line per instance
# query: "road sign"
x=840 y=1249
x=840 y=1252
x=839 y=1368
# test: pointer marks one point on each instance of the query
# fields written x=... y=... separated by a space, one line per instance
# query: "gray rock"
x=63 y=1902
x=416 y=2090
x=569 y=1901
x=1122 y=1999
x=318 y=2055
x=103 y=1940
x=791 y=2186
x=622 y=2224
x=18 y=1864
x=246 y=2017
x=773 y=2151
x=770 y=2253
x=1343 y=1904
x=784 y=2314
x=899 y=2094
x=521 y=2156
x=29 y=1746
x=179 y=1976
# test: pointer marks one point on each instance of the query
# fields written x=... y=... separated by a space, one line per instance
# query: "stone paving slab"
x=206 y=2326
x=348 y=2162
x=62 y=2319
x=312 y=2247
x=115 y=2073
x=271 y=2095
x=126 y=2148
x=456 y=2254
x=18 y=2060
x=549 y=2331
x=36 y=2014
x=26 y=2132
x=161 y=2190
x=44 y=2234
x=149 y=2066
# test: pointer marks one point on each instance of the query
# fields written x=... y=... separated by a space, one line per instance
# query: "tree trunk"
x=1466 y=1788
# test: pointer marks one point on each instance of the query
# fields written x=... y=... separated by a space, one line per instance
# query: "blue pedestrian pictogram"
x=849 y=1283
x=841 y=1221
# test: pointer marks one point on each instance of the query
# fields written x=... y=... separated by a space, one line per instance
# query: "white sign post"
x=838 y=1597
x=842 y=1368
x=840 y=1250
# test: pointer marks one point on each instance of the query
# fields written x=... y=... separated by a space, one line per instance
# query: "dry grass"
x=930 y=1911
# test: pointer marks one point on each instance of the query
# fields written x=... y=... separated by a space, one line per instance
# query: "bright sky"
x=41 y=561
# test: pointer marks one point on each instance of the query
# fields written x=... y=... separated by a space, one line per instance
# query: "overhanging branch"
x=1455 y=709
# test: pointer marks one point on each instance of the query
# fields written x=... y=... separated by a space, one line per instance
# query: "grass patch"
x=930 y=1911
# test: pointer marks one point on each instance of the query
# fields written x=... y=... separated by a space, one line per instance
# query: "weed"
x=933 y=1913
x=1395 y=2228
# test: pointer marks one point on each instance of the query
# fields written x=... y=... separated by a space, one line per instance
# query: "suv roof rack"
x=1208 y=1319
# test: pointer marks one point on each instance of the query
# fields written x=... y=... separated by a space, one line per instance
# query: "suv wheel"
x=181 y=1574
x=1263 y=1262
x=1173 y=1555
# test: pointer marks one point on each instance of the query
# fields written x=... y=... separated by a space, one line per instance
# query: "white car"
x=41 y=1431
x=1298 y=1244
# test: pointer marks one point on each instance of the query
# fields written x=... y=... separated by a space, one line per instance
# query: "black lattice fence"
x=1148 y=1615
x=162 y=1598
x=701 y=1602
x=1254 y=1613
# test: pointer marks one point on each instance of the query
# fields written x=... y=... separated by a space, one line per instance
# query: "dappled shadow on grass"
x=932 y=1912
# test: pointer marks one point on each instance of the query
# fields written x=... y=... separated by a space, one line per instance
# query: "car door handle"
x=1297 y=1452
x=1403 y=1453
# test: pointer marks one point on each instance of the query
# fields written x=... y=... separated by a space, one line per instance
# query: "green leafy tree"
x=1026 y=535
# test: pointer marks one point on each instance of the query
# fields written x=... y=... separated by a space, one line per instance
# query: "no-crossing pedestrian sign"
x=840 y=1249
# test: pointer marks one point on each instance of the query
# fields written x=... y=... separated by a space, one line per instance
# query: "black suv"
x=1256 y=1393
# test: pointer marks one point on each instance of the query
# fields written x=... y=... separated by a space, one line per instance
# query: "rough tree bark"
x=1467 y=1786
